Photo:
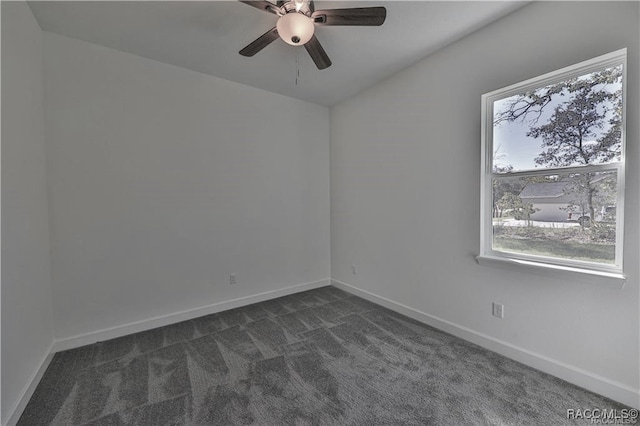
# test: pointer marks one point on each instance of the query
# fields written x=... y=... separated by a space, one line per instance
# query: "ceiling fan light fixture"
x=295 y=29
x=297 y=20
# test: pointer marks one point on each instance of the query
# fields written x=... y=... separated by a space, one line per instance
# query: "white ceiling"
x=206 y=37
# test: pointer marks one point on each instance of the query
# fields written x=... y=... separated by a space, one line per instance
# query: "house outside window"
x=553 y=169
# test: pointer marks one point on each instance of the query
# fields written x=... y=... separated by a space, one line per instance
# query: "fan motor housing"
x=290 y=7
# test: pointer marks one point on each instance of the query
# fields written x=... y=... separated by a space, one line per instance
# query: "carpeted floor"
x=322 y=357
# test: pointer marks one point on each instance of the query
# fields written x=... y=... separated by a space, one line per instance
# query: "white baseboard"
x=160 y=321
x=585 y=379
x=15 y=412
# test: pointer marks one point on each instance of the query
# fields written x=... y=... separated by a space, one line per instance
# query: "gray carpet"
x=322 y=357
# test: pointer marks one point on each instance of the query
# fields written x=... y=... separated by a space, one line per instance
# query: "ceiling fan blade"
x=317 y=53
x=356 y=16
x=263 y=5
x=260 y=43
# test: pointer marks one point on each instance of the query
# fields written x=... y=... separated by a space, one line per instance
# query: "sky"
x=512 y=146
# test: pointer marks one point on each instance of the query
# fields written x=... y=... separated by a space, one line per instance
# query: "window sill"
x=608 y=279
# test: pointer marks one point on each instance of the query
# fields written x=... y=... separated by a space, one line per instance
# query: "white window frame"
x=487 y=254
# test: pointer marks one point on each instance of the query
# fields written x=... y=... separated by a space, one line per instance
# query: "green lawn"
x=593 y=252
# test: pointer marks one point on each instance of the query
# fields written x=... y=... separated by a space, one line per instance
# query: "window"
x=553 y=169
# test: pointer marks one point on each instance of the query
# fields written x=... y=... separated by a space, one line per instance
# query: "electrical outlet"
x=354 y=269
x=232 y=279
x=498 y=310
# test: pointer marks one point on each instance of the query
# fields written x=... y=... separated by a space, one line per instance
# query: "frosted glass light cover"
x=295 y=29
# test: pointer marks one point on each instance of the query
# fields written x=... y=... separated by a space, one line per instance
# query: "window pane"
x=570 y=123
x=564 y=216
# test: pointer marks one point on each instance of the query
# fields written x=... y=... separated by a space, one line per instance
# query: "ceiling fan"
x=297 y=20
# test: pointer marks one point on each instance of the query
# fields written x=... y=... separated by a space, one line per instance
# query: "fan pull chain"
x=297 y=68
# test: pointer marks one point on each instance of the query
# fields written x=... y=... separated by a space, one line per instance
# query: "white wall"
x=27 y=333
x=405 y=169
x=165 y=181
